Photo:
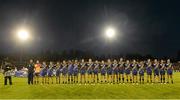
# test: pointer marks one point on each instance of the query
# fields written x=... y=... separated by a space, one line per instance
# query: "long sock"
x=140 y=79
x=167 y=80
x=131 y=80
x=163 y=80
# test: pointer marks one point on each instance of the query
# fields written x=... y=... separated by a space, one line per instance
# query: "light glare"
x=110 y=32
x=23 y=34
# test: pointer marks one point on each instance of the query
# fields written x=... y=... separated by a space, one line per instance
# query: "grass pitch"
x=20 y=90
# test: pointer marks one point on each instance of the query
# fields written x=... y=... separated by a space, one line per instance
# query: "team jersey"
x=127 y=68
x=109 y=69
x=50 y=70
x=155 y=67
x=169 y=69
x=162 y=69
x=83 y=68
x=70 y=69
x=115 y=68
x=37 y=68
x=139 y=66
x=149 y=68
x=162 y=66
x=75 y=69
x=134 y=69
x=121 y=68
x=58 y=70
x=168 y=66
x=43 y=71
x=103 y=69
x=141 y=71
x=96 y=68
x=64 y=69
x=90 y=68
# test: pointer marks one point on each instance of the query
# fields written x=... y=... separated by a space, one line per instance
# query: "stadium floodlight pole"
x=23 y=35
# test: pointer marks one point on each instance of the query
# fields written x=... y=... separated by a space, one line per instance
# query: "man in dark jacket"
x=7 y=73
x=30 y=72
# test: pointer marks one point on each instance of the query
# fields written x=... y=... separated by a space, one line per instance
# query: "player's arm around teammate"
x=43 y=72
x=96 y=72
x=149 y=71
x=169 y=71
x=156 y=71
x=141 y=72
x=103 y=72
x=134 y=71
x=83 y=72
x=115 y=72
x=127 y=70
x=75 y=72
x=58 y=72
x=162 y=71
x=121 y=71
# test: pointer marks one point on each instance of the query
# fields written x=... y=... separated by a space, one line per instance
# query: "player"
x=103 y=72
x=162 y=71
x=127 y=70
x=156 y=71
x=169 y=71
x=50 y=72
x=58 y=73
x=141 y=72
x=109 y=71
x=70 y=72
x=121 y=71
x=75 y=72
x=134 y=71
x=90 y=71
x=115 y=72
x=149 y=71
x=37 y=72
x=96 y=71
x=82 y=71
x=64 y=72
x=43 y=72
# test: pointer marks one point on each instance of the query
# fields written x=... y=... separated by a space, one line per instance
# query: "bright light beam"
x=110 y=33
x=23 y=35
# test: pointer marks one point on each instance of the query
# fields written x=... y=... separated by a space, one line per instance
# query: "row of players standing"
x=102 y=72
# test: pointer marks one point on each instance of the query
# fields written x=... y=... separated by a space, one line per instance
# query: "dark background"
x=145 y=27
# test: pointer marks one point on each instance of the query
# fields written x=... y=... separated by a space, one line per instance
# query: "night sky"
x=142 y=26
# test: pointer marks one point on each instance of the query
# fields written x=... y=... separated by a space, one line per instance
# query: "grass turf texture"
x=20 y=90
